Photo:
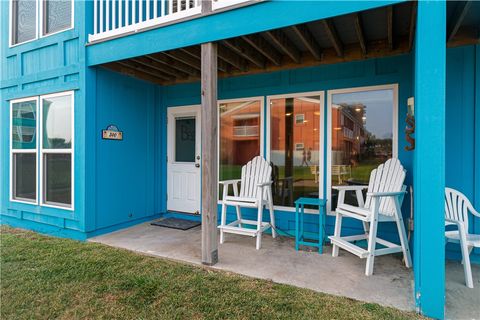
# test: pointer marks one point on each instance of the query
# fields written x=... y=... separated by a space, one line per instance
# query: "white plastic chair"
x=383 y=204
x=457 y=207
x=255 y=192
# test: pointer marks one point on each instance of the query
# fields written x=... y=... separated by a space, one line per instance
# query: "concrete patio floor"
x=391 y=284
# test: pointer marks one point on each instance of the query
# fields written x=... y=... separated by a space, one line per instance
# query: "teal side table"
x=299 y=214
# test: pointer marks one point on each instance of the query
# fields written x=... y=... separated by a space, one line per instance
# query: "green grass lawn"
x=45 y=278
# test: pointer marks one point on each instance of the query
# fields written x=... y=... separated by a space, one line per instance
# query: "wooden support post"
x=209 y=154
x=429 y=162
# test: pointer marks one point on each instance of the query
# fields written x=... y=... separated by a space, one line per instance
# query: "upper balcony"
x=113 y=18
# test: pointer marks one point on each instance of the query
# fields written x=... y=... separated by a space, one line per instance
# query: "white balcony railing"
x=112 y=18
x=245 y=131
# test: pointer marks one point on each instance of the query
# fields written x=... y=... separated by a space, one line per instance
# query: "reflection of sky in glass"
x=379 y=109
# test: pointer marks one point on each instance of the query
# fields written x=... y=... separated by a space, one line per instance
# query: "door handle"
x=197 y=165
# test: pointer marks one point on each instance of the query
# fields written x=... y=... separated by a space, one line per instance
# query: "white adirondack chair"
x=255 y=192
x=457 y=207
x=383 y=204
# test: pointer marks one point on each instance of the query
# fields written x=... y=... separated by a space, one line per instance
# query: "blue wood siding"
x=50 y=64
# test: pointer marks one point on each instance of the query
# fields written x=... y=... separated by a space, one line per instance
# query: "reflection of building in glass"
x=24 y=125
x=295 y=145
x=239 y=132
x=291 y=137
x=348 y=133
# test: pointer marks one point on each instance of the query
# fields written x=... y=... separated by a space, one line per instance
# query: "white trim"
x=321 y=153
x=260 y=99
x=13 y=151
x=39 y=27
x=70 y=151
x=330 y=93
x=219 y=4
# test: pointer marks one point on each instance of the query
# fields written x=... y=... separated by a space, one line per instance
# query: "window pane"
x=24 y=125
x=24 y=20
x=239 y=136
x=295 y=145
x=58 y=178
x=362 y=135
x=24 y=176
x=58 y=15
x=57 y=123
x=185 y=134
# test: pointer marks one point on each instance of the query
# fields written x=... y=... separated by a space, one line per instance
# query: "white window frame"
x=70 y=151
x=39 y=23
x=299 y=115
x=321 y=151
x=299 y=146
x=260 y=99
x=18 y=151
x=330 y=94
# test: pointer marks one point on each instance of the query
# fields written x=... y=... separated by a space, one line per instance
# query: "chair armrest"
x=473 y=211
x=264 y=184
x=349 y=188
x=386 y=194
x=225 y=182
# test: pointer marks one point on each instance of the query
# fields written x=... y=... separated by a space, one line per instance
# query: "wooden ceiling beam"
x=280 y=39
x=149 y=62
x=141 y=68
x=360 y=34
x=129 y=71
x=168 y=60
x=231 y=58
x=308 y=40
x=457 y=18
x=333 y=36
x=184 y=57
x=413 y=23
x=265 y=48
x=244 y=50
x=194 y=52
x=390 y=27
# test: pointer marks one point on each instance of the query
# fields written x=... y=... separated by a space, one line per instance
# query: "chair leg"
x=239 y=215
x=372 y=241
x=272 y=213
x=466 y=258
x=402 y=235
x=259 y=226
x=337 y=232
x=223 y=222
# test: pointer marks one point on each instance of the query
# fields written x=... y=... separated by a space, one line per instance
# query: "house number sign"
x=112 y=133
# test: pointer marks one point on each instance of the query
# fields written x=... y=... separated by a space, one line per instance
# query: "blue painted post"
x=476 y=223
x=429 y=158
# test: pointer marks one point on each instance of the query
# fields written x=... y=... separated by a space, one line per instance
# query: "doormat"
x=175 y=223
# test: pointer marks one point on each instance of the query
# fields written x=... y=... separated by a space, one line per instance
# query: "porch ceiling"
x=374 y=33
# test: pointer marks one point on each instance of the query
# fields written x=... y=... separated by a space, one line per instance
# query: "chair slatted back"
x=456 y=207
x=388 y=177
x=254 y=172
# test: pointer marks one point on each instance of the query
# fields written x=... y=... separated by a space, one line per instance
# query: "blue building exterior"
x=115 y=184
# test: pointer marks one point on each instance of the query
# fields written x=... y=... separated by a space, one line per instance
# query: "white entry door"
x=183 y=159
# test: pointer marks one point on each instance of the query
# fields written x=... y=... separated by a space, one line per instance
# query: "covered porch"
x=399 y=49
x=391 y=285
